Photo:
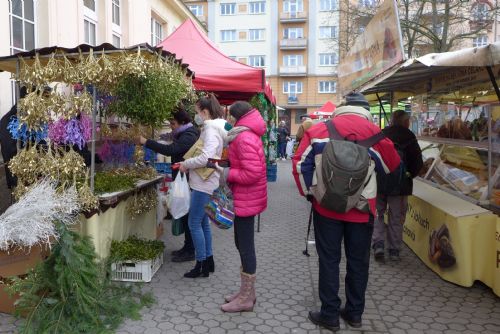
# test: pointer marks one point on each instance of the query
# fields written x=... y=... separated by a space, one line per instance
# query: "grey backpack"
x=346 y=175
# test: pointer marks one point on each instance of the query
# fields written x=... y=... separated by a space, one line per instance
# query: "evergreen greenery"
x=108 y=182
x=70 y=292
x=135 y=249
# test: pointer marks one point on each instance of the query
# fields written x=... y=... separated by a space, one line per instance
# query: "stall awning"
x=215 y=72
x=439 y=72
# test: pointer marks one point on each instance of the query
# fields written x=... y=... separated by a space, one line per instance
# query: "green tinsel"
x=70 y=292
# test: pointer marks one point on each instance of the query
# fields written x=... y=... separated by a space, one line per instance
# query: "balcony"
x=293 y=99
x=293 y=44
x=293 y=71
x=293 y=17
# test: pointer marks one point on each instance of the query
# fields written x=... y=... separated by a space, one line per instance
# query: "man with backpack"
x=393 y=189
x=334 y=167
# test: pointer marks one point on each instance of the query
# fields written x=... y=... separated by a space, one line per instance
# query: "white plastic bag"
x=179 y=196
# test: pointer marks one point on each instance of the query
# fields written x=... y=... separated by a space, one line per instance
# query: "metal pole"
x=490 y=139
x=92 y=157
x=381 y=106
x=258 y=223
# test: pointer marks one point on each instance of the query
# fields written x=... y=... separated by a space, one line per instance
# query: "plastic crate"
x=272 y=173
x=143 y=271
x=163 y=167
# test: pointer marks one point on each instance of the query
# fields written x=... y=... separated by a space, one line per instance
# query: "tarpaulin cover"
x=227 y=78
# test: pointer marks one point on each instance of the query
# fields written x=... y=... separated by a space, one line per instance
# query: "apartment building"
x=30 y=24
x=293 y=40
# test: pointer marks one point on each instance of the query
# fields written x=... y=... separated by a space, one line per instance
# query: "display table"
x=114 y=223
x=458 y=240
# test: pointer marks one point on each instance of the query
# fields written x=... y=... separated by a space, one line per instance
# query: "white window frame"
x=156 y=38
x=296 y=85
x=85 y=31
x=327 y=5
x=480 y=40
x=293 y=60
x=367 y=3
x=116 y=4
x=257 y=61
x=260 y=5
x=197 y=10
x=331 y=29
x=331 y=56
x=481 y=15
x=91 y=16
x=23 y=21
x=232 y=32
x=226 y=5
x=327 y=87
x=298 y=32
x=119 y=45
x=293 y=6
x=259 y=33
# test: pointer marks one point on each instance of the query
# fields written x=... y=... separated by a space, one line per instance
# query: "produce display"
x=136 y=249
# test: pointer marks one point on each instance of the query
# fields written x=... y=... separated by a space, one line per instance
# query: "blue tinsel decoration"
x=20 y=132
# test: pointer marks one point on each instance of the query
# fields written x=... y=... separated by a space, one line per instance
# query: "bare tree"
x=426 y=25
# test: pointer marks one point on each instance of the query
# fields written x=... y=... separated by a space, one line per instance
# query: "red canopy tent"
x=326 y=111
x=215 y=72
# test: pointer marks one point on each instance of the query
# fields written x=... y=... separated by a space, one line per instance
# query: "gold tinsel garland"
x=142 y=202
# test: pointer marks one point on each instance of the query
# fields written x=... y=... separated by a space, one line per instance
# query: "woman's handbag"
x=220 y=208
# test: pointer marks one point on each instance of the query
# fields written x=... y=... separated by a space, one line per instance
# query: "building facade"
x=29 y=24
x=293 y=40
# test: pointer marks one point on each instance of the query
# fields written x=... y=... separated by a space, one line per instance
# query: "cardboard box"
x=6 y=301
x=19 y=261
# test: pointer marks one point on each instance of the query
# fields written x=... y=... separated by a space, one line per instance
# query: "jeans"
x=357 y=237
x=188 y=239
x=244 y=240
x=199 y=225
x=396 y=214
x=281 y=149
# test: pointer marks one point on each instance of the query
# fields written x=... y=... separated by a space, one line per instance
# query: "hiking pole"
x=306 y=251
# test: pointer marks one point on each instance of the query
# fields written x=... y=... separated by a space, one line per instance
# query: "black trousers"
x=188 y=239
x=244 y=241
x=329 y=234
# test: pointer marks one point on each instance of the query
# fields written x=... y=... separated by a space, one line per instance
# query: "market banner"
x=378 y=49
x=456 y=239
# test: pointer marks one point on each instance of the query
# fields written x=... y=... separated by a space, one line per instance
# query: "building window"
x=197 y=10
x=257 y=61
x=481 y=11
x=293 y=60
x=232 y=57
x=292 y=87
x=327 y=5
x=22 y=25
x=367 y=3
x=327 y=59
x=227 y=8
x=327 y=87
x=293 y=33
x=256 y=34
x=327 y=32
x=293 y=6
x=117 y=41
x=480 y=40
x=116 y=12
x=90 y=4
x=228 y=35
x=89 y=32
x=257 y=7
x=156 y=32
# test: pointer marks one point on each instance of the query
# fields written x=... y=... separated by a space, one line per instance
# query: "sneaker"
x=318 y=320
x=356 y=323
x=394 y=255
x=378 y=252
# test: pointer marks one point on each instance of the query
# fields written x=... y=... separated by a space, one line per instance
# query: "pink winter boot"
x=245 y=300
x=230 y=298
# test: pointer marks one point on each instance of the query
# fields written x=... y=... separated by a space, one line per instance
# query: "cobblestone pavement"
x=403 y=297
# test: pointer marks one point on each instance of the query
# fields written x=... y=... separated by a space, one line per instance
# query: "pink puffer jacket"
x=247 y=175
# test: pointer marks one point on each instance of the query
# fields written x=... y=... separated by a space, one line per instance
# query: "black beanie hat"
x=357 y=99
x=239 y=109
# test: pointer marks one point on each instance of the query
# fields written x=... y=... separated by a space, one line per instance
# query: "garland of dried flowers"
x=142 y=202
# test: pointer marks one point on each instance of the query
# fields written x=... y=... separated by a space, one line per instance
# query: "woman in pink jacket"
x=247 y=179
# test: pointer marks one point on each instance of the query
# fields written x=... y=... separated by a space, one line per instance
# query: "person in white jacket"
x=209 y=116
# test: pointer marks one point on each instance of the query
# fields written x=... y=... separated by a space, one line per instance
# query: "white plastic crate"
x=142 y=271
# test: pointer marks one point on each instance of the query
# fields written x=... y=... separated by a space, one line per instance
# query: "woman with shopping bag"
x=248 y=182
x=203 y=181
x=184 y=135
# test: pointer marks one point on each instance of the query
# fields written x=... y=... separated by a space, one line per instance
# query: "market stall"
x=454 y=97
x=98 y=98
